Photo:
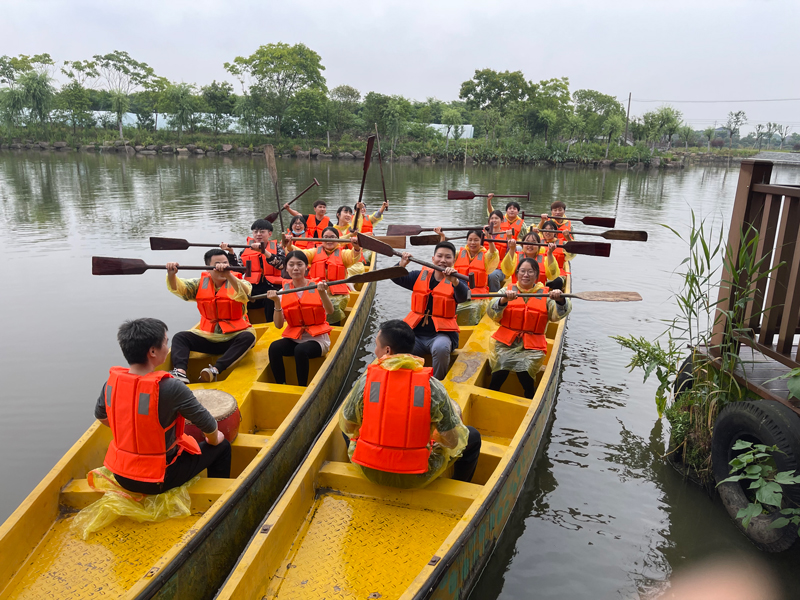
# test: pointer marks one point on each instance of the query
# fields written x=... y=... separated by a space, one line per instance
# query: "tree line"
x=281 y=92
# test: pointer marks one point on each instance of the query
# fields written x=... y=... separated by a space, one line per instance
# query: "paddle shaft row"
x=588 y=296
x=367 y=160
x=269 y=155
x=368 y=277
x=106 y=265
x=380 y=164
x=159 y=243
x=272 y=216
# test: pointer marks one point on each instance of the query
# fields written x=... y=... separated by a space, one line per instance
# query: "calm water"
x=601 y=516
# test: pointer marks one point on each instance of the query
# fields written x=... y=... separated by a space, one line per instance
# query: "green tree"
x=156 y=88
x=612 y=127
x=759 y=134
x=769 y=133
x=734 y=123
x=375 y=106
x=594 y=108
x=709 y=133
x=220 y=104
x=120 y=104
x=39 y=95
x=395 y=117
x=686 y=134
x=493 y=89
x=123 y=75
x=453 y=119
x=181 y=105
x=669 y=121
x=279 y=71
x=783 y=132
x=308 y=113
x=344 y=102
x=573 y=127
x=74 y=100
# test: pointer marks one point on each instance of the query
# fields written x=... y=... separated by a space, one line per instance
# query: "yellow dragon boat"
x=43 y=557
x=333 y=534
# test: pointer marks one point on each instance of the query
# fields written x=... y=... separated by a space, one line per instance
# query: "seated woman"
x=304 y=313
x=346 y=227
x=550 y=235
x=330 y=262
x=548 y=267
x=520 y=342
x=495 y=230
x=367 y=222
x=476 y=259
x=297 y=229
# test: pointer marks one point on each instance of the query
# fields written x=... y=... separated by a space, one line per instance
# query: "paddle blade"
x=599 y=221
x=378 y=275
x=424 y=240
x=106 y=265
x=368 y=152
x=628 y=236
x=269 y=154
x=159 y=243
x=459 y=195
x=403 y=230
x=370 y=243
x=394 y=241
x=609 y=296
x=271 y=217
x=588 y=248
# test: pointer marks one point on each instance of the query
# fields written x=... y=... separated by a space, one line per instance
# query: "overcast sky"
x=676 y=50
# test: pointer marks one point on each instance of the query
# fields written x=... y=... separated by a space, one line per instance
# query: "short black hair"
x=298 y=255
x=552 y=223
x=531 y=261
x=558 y=204
x=514 y=204
x=320 y=202
x=327 y=229
x=295 y=220
x=447 y=245
x=398 y=335
x=261 y=224
x=214 y=252
x=137 y=336
x=343 y=209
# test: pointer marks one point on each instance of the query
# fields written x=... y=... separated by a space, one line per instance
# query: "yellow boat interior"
x=334 y=534
x=44 y=557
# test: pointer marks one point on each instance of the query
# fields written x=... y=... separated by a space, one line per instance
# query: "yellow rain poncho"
x=471 y=312
x=119 y=502
x=446 y=427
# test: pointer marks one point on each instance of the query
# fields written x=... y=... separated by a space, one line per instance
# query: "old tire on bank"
x=762 y=422
x=684 y=380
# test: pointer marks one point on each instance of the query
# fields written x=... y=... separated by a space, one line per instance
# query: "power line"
x=717 y=101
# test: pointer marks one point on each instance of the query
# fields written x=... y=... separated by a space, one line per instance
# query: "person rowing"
x=520 y=344
x=477 y=259
x=403 y=428
x=329 y=261
x=146 y=410
x=266 y=263
x=550 y=234
x=434 y=297
x=315 y=222
x=305 y=314
x=297 y=228
x=367 y=222
x=558 y=210
x=512 y=221
x=548 y=267
x=495 y=230
x=224 y=328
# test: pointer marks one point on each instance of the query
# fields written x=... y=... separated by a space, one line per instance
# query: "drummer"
x=173 y=458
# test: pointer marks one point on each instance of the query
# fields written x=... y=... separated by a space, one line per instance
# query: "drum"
x=223 y=408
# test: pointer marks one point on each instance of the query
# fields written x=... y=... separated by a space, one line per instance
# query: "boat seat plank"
x=493 y=449
x=278 y=388
x=249 y=440
x=77 y=494
x=443 y=495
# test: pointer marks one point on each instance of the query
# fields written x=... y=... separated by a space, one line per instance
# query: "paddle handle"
x=320 y=240
x=296 y=198
x=425 y=263
x=380 y=164
x=245 y=270
x=523 y=295
x=305 y=288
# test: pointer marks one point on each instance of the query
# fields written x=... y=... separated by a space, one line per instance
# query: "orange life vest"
x=565 y=226
x=501 y=248
x=526 y=317
x=443 y=311
x=217 y=308
x=561 y=258
x=314 y=228
x=395 y=431
x=302 y=245
x=139 y=450
x=303 y=313
x=258 y=264
x=516 y=227
x=329 y=267
x=366 y=225
x=542 y=270
x=466 y=265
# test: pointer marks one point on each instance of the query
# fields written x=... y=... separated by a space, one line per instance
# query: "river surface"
x=601 y=516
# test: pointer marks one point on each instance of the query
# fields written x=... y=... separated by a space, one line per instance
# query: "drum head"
x=220 y=404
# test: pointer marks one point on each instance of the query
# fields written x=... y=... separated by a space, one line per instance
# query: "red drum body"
x=223 y=408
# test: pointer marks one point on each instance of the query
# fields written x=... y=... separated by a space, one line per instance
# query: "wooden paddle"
x=593 y=221
x=368 y=277
x=614 y=234
x=590 y=296
x=380 y=164
x=367 y=159
x=269 y=154
x=272 y=216
x=395 y=241
x=416 y=229
x=588 y=248
x=430 y=240
x=465 y=195
x=374 y=244
x=105 y=265
x=159 y=243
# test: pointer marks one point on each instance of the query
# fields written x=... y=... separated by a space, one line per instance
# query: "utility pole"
x=627 y=117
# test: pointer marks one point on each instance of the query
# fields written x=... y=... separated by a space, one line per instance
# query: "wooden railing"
x=774 y=212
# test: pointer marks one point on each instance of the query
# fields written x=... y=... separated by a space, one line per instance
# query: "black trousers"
x=231 y=351
x=499 y=378
x=302 y=353
x=217 y=459
x=464 y=467
x=265 y=304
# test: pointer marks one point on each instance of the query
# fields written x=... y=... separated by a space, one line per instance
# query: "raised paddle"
x=416 y=229
x=395 y=241
x=380 y=164
x=588 y=248
x=593 y=221
x=106 y=265
x=272 y=216
x=269 y=155
x=374 y=244
x=590 y=296
x=368 y=277
x=615 y=234
x=159 y=243
x=367 y=159
x=465 y=195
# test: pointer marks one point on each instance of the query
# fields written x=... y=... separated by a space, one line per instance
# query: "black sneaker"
x=179 y=375
x=556 y=284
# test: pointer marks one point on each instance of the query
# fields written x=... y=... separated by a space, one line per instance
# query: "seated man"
x=434 y=298
x=224 y=328
x=150 y=454
x=404 y=429
x=315 y=223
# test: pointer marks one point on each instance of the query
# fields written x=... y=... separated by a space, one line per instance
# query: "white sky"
x=663 y=50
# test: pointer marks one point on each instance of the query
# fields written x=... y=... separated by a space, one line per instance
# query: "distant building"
x=467 y=131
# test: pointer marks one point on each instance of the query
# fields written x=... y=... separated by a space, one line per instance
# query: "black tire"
x=685 y=378
x=764 y=422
